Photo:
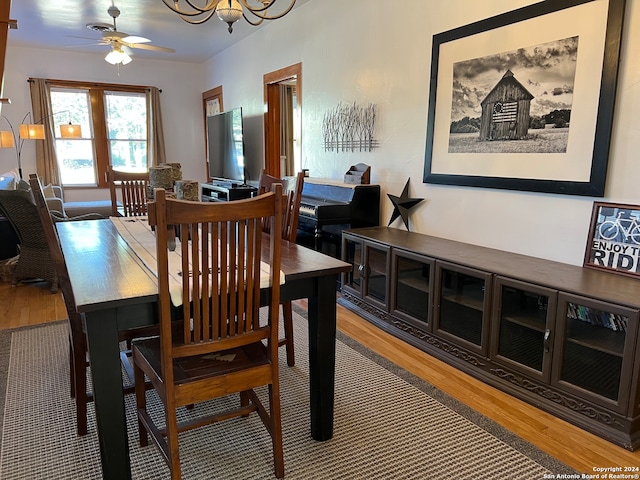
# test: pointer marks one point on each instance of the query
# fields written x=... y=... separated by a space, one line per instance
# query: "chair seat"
x=190 y=369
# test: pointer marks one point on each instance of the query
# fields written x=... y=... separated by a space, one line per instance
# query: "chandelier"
x=229 y=11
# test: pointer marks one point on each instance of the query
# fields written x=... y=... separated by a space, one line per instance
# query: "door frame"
x=214 y=93
x=272 y=113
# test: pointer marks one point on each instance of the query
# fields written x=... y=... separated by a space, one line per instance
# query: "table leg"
x=322 y=356
x=102 y=338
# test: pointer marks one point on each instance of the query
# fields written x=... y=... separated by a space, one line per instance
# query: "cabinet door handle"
x=362 y=271
x=547 y=340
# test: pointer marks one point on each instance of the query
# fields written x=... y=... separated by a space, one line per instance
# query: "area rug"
x=388 y=425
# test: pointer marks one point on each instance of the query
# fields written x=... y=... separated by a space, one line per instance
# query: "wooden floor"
x=30 y=304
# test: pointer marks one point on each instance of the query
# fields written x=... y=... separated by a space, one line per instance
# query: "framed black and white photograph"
x=614 y=238
x=524 y=100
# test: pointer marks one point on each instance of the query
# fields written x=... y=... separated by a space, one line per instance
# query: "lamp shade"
x=6 y=139
x=70 y=131
x=32 y=131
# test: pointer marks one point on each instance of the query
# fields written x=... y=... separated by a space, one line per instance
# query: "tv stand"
x=226 y=191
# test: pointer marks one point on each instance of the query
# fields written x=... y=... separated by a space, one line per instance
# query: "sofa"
x=54 y=196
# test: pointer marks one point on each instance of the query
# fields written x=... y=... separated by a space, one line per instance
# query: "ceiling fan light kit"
x=229 y=11
x=117 y=55
x=118 y=41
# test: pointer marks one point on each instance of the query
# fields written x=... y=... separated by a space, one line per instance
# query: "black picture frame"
x=613 y=243
x=442 y=167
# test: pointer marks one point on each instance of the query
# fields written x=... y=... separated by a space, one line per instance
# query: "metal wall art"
x=350 y=128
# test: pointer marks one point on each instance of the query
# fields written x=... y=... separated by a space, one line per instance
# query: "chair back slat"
x=133 y=191
x=293 y=193
x=221 y=248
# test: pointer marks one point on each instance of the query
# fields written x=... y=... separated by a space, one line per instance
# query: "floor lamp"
x=33 y=131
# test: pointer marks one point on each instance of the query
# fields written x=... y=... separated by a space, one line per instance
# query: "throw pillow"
x=23 y=185
x=48 y=192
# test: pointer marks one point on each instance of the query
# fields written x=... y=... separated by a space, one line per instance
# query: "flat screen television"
x=226 y=147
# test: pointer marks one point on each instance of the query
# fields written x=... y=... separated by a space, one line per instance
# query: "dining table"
x=115 y=291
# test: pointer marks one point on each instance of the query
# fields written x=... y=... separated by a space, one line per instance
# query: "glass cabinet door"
x=375 y=270
x=368 y=279
x=412 y=287
x=463 y=302
x=352 y=253
x=594 y=350
x=522 y=335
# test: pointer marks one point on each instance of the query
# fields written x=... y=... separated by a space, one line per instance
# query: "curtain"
x=46 y=158
x=286 y=129
x=156 y=153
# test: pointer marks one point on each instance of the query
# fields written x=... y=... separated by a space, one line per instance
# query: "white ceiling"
x=54 y=23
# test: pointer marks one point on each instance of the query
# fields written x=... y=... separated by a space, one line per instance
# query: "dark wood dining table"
x=116 y=291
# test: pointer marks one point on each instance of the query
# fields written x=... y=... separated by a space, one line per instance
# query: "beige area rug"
x=388 y=425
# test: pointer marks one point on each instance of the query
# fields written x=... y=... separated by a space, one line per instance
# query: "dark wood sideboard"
x=561 y=337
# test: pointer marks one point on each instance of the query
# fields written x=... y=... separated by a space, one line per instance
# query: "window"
x=114 y=131
x=126 y=115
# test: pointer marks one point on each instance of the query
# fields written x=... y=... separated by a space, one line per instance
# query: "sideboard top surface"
x=608 y=286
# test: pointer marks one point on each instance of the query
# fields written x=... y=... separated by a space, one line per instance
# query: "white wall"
x=181 y=102
x=360 y=51
x=356 y=51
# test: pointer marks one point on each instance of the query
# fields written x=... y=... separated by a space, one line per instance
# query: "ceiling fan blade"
x=83 y=38
x=114 y=35
x=86 y=45
x=135 y=39
x=94 y=41
x=144 y=46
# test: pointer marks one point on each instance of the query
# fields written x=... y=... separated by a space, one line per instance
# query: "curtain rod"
x=94 y=84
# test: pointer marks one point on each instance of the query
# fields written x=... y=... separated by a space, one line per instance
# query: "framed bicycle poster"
x=614 y=238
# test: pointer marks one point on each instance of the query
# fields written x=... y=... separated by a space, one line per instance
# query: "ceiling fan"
x=120 y=42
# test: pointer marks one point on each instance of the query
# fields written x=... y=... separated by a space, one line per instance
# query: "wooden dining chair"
x=77 y=340
x=293 y=192
x=133 y=192
x=78 y=362
x=225 y=349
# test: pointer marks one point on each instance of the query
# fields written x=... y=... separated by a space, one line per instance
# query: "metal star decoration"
x=402 y=205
